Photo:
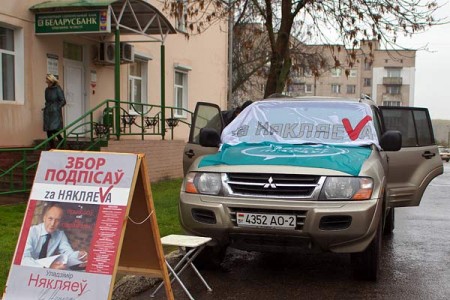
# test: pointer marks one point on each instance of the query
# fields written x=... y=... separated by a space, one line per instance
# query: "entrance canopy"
x=129 y=16
x=132 y=17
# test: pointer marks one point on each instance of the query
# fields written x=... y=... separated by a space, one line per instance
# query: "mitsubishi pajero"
x=323 y=173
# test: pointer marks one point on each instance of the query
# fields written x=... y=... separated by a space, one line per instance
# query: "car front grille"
x=283 y=186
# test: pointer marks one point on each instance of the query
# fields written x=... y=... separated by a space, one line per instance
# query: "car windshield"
x=303 y=122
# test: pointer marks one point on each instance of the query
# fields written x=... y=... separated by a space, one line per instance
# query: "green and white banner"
x=347 y=159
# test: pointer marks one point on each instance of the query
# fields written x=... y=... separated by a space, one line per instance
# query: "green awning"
x=131 y=16
x=67 y=4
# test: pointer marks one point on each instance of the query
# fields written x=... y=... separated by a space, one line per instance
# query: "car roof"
x=322 y=98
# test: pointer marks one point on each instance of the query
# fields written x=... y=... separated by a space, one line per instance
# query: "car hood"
x=347 y=159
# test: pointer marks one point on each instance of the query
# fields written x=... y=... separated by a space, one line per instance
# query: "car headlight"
x=203 y=183
x=347 y=188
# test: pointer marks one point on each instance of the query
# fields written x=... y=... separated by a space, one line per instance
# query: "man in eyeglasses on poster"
x=48 y=247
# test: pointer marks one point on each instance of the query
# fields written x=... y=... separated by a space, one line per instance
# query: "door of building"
x=74 y=92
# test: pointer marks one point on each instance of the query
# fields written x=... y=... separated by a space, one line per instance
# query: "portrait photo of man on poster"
x=60 y=236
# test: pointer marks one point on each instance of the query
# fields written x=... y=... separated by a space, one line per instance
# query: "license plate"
x=266 y=220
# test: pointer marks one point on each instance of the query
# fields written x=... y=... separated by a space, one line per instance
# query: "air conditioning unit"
x=106 y=53
x=126 y=52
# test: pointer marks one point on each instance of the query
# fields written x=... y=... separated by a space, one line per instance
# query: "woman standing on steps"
x=54 y=101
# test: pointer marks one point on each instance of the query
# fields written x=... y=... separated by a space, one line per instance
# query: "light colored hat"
x=51 y=78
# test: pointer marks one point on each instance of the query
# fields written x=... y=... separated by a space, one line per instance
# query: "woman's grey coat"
x=54 y=101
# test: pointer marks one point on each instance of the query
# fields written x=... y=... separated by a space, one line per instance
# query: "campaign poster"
x=70 y=237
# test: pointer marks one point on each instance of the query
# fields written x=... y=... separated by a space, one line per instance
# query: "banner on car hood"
x=303 y=122
x=347 y=159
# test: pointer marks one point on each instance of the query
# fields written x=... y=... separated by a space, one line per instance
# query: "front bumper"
x=341 y=226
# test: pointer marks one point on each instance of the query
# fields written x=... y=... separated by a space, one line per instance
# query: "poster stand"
x=141 y=248
x=108 y=209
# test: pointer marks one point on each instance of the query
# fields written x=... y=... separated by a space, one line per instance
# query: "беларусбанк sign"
x=64 y=22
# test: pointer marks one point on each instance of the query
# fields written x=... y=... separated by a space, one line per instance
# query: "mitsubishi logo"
x=270 y=184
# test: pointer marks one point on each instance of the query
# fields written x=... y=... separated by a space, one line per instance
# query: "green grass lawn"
x=165 y=199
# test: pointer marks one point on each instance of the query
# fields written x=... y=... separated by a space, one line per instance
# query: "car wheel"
x=447 y=159
x=366 y=264
x=389 y=223
x=211 y=257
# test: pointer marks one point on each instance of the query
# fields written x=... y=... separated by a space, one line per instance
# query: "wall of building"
x=405 y=60
x=18 y=119
x=164 y=158
x=204 y=54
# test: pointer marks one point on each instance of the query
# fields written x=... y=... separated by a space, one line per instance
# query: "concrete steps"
x=17 y=180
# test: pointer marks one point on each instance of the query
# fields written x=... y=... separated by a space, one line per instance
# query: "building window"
x=367 y=81
x=138 y=86
x=308 y=88
x=367 y=65
x=394 y=72
x=336 y=72
x=73 y=51
x=295 y=73
x=392 y=103
x=307 y=72
x=351 y=89
x=353 y=73
x=180 y=19
x=7 y=64
x=181 y=93
x=393 y=89
x=336 y=88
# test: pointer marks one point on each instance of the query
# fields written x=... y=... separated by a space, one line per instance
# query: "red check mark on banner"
x=104 y=195
x=354 y=133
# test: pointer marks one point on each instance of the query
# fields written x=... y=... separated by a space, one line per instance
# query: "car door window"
x=413 y=167
x=413 y=123
x=206 y=116
x=424 y=134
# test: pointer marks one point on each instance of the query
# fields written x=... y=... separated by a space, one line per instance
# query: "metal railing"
x=92 y=130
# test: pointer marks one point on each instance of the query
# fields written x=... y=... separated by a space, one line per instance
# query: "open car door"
x=206 y=115
x=413 y=167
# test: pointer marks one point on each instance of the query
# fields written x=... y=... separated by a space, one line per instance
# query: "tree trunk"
x=280 y=62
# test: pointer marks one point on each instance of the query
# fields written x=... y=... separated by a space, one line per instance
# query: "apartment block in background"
x=387 y=76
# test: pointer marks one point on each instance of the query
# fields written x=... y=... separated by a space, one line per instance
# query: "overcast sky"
x=433 y=67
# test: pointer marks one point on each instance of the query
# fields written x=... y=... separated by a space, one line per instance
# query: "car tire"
x=366 y=264
x=211 y=257
x=389 y=222
x=447 y=159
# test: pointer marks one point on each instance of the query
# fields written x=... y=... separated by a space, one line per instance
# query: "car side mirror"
x=209 y=137
x=391 y=140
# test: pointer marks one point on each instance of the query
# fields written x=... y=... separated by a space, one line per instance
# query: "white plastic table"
x=196 y=245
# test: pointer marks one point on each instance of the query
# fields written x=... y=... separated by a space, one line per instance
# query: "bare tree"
x=352 y=21
x=250 y=60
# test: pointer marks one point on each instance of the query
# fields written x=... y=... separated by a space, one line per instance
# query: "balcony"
x=298 y=79
x=392 y=80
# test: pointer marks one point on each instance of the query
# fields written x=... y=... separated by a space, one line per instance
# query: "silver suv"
x=322 y=173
